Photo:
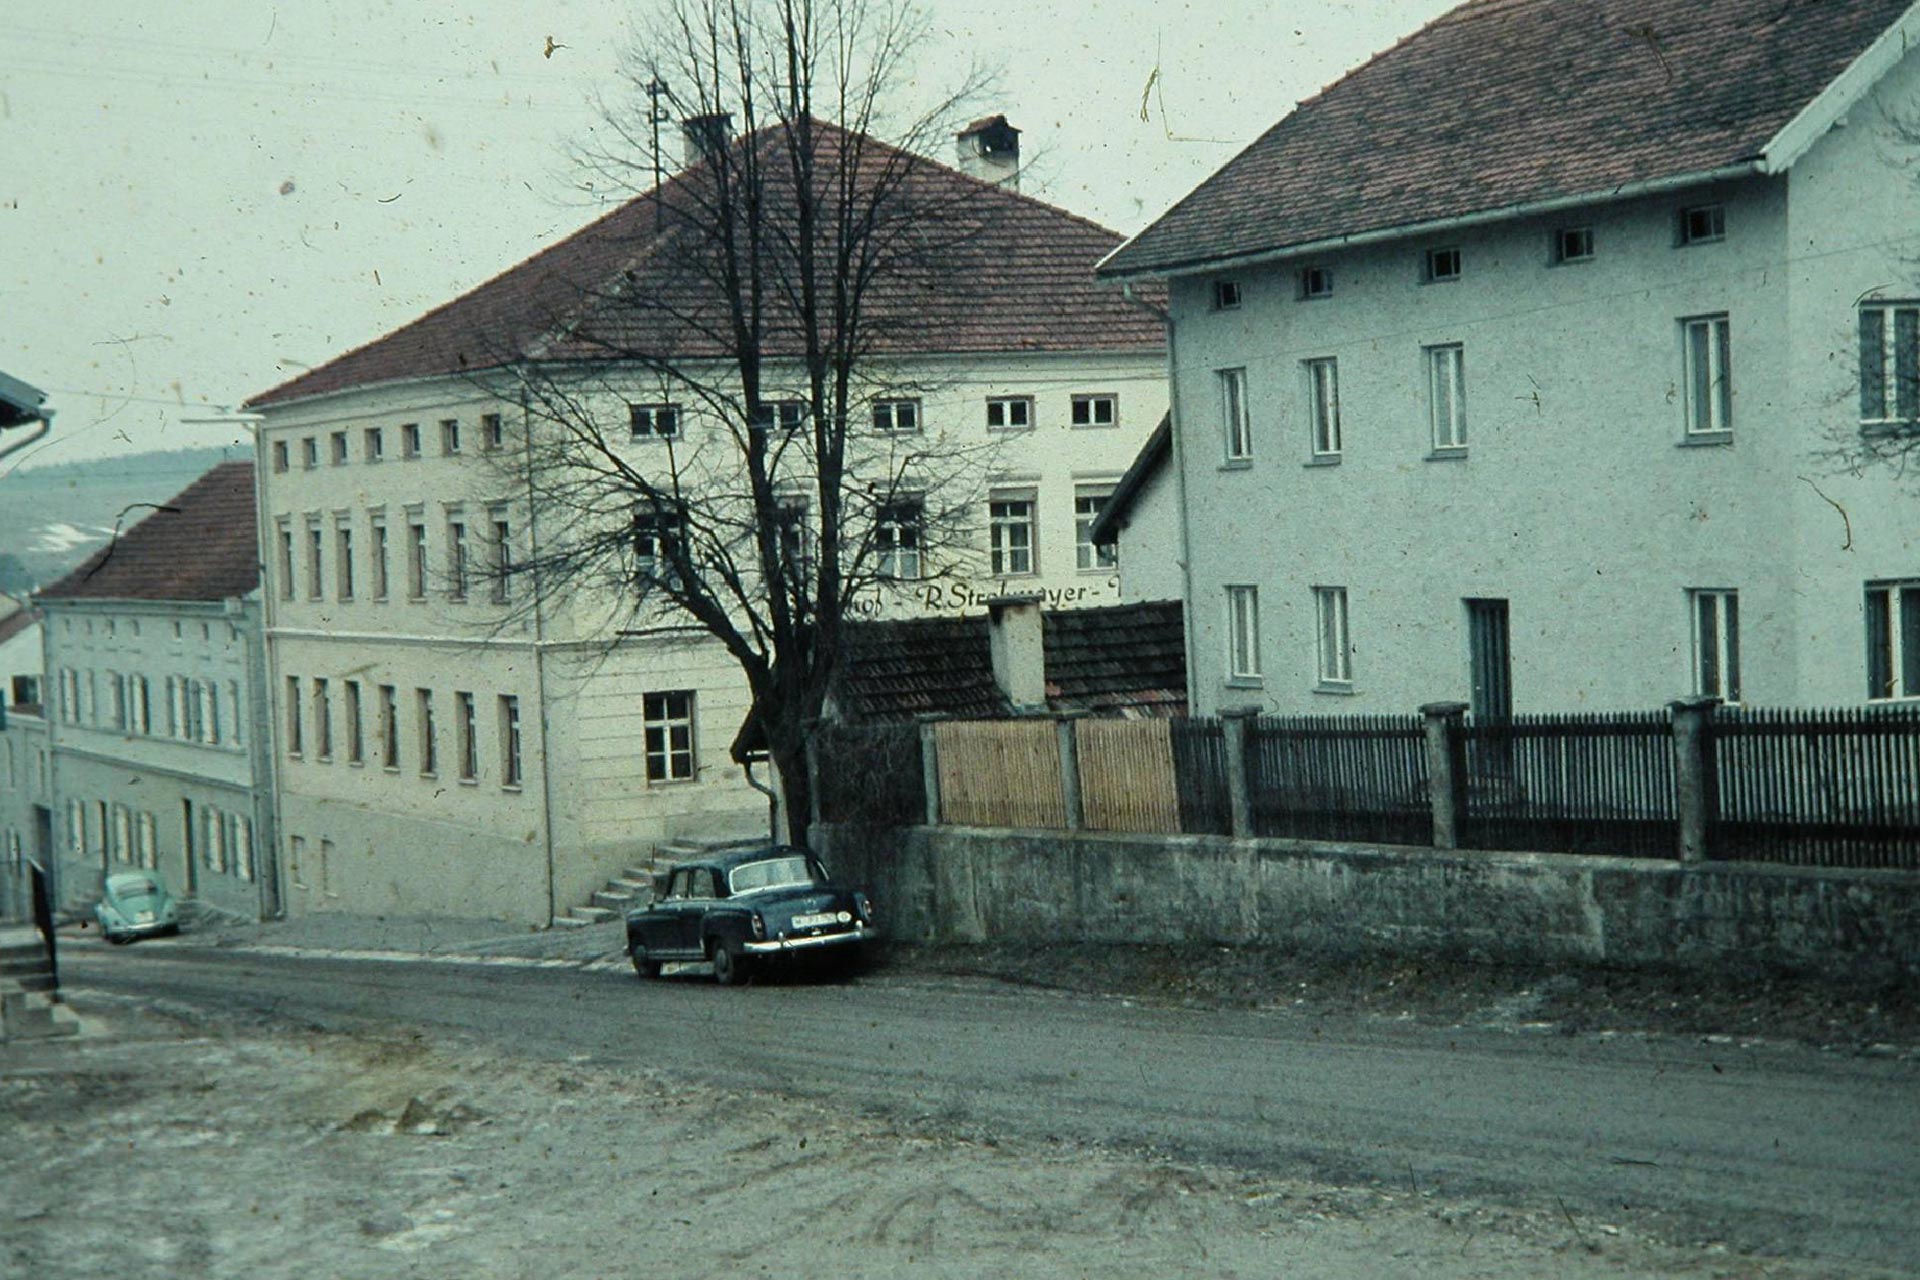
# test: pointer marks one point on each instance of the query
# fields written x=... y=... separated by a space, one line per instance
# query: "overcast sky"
x=203 y=198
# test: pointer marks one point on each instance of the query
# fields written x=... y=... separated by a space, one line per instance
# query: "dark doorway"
x=186 y=845
x=1492 y=661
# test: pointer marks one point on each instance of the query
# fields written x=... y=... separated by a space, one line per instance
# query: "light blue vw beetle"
x=136 y=905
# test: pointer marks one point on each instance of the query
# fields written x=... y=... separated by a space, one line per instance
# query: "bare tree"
x=749 y=325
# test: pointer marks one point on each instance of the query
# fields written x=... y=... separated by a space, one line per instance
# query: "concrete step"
x=592 y=915
x=28 y=1015
x=615 y=900
x=570 y=921
x=628 y=884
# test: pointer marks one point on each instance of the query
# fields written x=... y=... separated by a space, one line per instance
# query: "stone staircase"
x=640 y=882
x=27 y=1008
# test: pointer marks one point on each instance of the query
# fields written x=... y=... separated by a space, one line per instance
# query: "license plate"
x=815 y=921
x=143 y=917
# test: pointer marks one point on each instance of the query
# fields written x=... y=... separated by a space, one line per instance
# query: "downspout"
x=540 y=672
x=1180 y=475
x=773 y=801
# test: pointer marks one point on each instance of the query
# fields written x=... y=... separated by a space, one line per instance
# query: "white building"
x=444 y=748
x=155 y=735
x=1508 y=369
x=24 y=814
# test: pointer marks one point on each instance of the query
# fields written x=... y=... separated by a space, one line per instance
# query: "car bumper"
x=785 y=946
x=145 y=929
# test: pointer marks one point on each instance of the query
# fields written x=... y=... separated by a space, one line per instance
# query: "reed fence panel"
x=1126 y=776
x=1000 y=773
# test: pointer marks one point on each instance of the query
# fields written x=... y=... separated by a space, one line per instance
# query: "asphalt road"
x=1772 y=1149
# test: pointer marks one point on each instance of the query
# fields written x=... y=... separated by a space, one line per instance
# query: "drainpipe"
x=773 y=801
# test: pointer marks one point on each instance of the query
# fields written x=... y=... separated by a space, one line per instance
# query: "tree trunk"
x=789 y=761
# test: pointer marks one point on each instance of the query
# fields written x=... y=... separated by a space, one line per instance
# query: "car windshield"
x=138 y=888
x=773 y=873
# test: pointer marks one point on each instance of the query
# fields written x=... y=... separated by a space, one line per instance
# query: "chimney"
x=990 y=151
x=701 y=136
x=1016 y=641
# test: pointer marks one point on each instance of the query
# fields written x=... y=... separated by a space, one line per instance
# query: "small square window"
x=310 y=452
x=375 y=444
x=896 y=417
x=279 y=455
x=1009 y=413
x=1226 y=295
x=1442 y=264
x=493 y=433
x=1703 y=224
x=1096 y=410
x=787 y=414
x=1573 y=244
x=653 y=422
x=1317 y=282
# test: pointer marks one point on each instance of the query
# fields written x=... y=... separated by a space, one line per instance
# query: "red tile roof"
x=989 y=270
x=16 y=622
x=200 y=545
x=1501 y=103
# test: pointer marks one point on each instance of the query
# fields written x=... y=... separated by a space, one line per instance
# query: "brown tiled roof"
x=16 y=622
x=1506 y=102
x=200 y=545
x=993 y=272
x=1129 y=657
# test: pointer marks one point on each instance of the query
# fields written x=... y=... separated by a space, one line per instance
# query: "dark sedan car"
x=745 y=907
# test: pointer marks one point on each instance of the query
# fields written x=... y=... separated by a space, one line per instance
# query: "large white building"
x=25 y=818
x=449 y=746
x=1510 y=368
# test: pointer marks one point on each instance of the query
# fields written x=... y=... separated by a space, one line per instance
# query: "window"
x=1709 y=376
x=1893 y=640
x=896 y=417
x=796 y=540
x=389 y=727
x=410 y=440
x=1243 y=633
x=1890 y=362
x=310 y=452
x=450 y=436
x=356 y=737
x=1441 y=265
x=322 y=721
x=1089 y=555
x=1095 y=410
x=233 y=701
x=377 y=525
x=1336 y=654
x=343 y=557
x=294 y=743
x=653 y=422
x=493 y=433
x=896 y=539
x=279 y=455
x=668 y=718
x=285 y=566
x=501 y=565
x=1703 y=224
x=338 y=443
x=1716 y=643
x=509 y=741
x=314 y=546
x=457 y=558
x=1009 y=413
x=1010 y=521
x=469 y=748
x=1226 y=295
x=373 y=444
x=1316 y=282
x=656 y=540
x=1236 y=428
x=1573 y=244
x=787 y=414
x=416 y=557
x=1323 y=408
x=429 y=747
x=1447 y=398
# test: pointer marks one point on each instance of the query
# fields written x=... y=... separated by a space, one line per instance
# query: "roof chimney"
x=701 y=136
x=990 y=151
x=1016 y=642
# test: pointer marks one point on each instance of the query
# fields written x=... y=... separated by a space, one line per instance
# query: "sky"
x=198 y=201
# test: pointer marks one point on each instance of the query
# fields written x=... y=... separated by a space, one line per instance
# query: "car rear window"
x=773 y=873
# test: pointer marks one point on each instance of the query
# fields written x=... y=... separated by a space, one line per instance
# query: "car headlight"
x=759 y=926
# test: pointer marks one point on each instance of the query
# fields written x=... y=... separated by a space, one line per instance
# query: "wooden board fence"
x=1000 y=773
x=1126 y=776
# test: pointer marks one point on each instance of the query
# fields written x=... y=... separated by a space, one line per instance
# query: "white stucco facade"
x=1584 y=495
x=24 y=771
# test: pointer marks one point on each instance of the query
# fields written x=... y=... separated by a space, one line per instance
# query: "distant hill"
x=53 y=517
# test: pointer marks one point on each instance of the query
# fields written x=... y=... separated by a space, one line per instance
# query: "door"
x=1490 y=658
x=187 y=847
x=702 y=889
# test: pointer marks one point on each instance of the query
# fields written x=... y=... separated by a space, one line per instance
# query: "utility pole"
x=657 y=115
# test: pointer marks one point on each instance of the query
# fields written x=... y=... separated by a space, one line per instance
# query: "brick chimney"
x=990 y=150
x=701 y=136
x=1016 y=642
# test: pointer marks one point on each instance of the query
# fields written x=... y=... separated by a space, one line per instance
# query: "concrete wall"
x=970 y=885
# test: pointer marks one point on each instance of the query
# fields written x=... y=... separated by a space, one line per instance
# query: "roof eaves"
x=1811 y=123
x=1146 y=464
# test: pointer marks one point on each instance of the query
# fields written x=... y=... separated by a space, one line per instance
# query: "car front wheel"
x=643 y=965
x=729 y=967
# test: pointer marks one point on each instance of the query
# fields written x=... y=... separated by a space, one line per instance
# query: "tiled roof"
x=1501 y=103
x=918 y=666
x=200 y=545
x=987 y=270
x=1129 y=657
x=16 y=622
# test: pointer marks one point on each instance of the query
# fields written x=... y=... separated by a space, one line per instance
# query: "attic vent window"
x=1226 y=295
x=1573 y=244
x=1317 y=282
x=1442 y=264
x=1703 y=224
x=653 y=422
x=1095 y=410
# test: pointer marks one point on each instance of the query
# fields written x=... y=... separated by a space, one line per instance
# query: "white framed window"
x=1009 y=413
x=1889 y=362
x=1701 y=224
x=429 y=741
x=1708 y=375
x=373 y=444
x=450 y=436
x=509 y=741
x=416 y=557
x=457 y=562
x=466 y=738
x=243 y=847
x=1315 y=283
x=656 y=540
x=1323 y=407
x=1243 y=633
x=1893 y=640
x=1715 y=619
x=377 y=553
x=145 y=843
x=343 y=557
x=338 y=443
x=1095 y=410
x=501 y=566
x=1226 y=295
x=896 y=417
x=1236 y=428
x=1088 y=555
x=1441 y=265
x=1572 y=244
x=356 y=731
x=309 y=452
x=653 y=422
x=788 y=415
x=279 y=455
x=1013 y=548
x=896 y=539
x=1332 y=644
x=493 y=433
x=409 y=440
x=1447 y=397
x=668 y=721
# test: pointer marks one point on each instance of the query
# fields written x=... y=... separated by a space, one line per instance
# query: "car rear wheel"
x=729 y=967
x=643 y=965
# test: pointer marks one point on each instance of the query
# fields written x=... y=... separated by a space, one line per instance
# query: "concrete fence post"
x=1235 y=724
x=1696 y=780
x=1074 y=802
x=1446 y=770
x=930 y=768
